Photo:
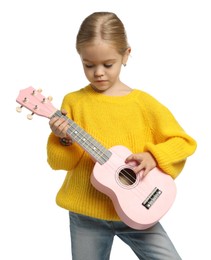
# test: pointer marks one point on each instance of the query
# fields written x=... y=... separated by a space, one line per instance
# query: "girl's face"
x=102 y=65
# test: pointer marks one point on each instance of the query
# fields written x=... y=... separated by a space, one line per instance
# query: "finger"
x=62 y=129
x=53 y=120
x=64 y=112
x=137 y=169
x=141 y=170
x=133 y=157
x=56 y=121
x=60 y=122
x=145 y=172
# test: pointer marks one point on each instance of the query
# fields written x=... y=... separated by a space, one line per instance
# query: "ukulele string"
x=144 y=186
x=94 y=147
x=89 y=145
x=86 y=138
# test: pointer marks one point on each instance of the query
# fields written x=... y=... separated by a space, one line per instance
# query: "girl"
x=114 y=114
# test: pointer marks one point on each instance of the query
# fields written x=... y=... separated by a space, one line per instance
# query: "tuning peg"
x=46 y=99
x=19 y=109
x=30 y=116
x=39 y=90
x=50 y=98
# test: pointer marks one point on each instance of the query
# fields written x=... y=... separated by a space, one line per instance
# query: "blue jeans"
x=92 y=239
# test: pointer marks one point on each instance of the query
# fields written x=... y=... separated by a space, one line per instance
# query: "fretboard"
x=86 y=141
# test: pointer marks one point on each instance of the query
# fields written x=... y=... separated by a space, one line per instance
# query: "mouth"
x=101 y=81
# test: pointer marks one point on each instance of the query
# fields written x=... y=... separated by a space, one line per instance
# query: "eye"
x=89 y=66
x=108 y=65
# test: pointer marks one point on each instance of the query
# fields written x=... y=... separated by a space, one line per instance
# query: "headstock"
x=33 y=100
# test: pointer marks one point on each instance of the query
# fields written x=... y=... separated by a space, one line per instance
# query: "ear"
x=125 y=56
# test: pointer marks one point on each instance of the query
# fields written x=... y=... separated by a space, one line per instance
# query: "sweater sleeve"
x=61 y=157
x=171 y=145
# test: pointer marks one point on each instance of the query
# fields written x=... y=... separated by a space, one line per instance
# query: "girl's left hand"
x=145 y=162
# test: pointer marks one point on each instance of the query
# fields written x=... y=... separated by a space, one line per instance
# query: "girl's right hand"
x=59 y=126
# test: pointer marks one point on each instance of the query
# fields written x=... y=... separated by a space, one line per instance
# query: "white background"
x=170 y=59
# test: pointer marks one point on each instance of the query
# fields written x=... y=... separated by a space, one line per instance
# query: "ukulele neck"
x=96 y=150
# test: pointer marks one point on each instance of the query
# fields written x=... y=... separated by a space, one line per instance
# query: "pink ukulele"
x=139 y=202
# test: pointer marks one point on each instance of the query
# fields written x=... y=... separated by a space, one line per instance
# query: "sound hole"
x=127 y=176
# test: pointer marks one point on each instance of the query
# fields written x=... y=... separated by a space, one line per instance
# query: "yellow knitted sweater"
x=137 y=121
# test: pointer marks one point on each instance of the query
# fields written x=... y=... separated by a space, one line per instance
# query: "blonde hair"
x=104 y=26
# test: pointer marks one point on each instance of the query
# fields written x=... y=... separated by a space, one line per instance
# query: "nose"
x=98 y=72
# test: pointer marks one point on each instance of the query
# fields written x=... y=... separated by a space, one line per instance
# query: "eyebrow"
x=110 y=60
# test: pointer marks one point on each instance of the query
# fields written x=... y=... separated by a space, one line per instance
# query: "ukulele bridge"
x=151 y=198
